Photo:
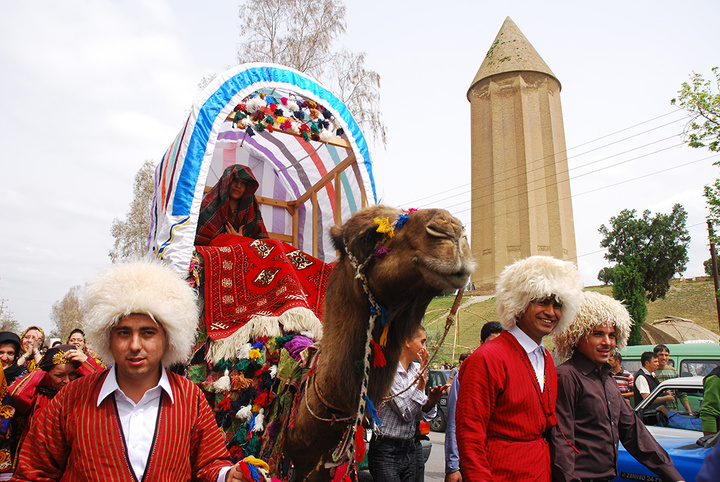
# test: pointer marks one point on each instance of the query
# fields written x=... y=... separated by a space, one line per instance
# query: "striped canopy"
x=233 y=123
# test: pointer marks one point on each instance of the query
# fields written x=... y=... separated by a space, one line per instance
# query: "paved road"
x=434 y=467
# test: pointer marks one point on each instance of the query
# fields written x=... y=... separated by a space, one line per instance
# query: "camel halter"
x=345 y=449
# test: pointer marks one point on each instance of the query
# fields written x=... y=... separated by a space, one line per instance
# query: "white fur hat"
x=142 y=286
x=534 y=278
x=595 y=310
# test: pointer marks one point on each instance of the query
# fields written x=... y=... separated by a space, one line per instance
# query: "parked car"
x=435 y=378
x=680 y=443
x=423 y=431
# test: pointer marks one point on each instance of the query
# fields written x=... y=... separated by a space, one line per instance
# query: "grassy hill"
x=693 y=300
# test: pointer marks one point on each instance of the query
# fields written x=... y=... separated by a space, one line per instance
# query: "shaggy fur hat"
x=147 y=287
x=595 y=310
x=534 y=278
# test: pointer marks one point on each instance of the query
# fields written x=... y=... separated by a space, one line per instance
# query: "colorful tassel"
x=384 y=227
x=359 y=444
x=245 y=413
x=372 y=411
x=382 y=251
x=378 y=355
x=340 y=472
x=223 y=383
x=384 y=336
x=402 y=219
x=259 y=419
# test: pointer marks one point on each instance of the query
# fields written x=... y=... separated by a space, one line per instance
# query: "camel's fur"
x=428 y=255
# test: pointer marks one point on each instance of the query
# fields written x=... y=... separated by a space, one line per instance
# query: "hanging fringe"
x=372 y=411
x=384 y=336
x=378 y=355
x=359 y=444
x=293 y=320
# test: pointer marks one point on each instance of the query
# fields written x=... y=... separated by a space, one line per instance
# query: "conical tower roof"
x=510 y=52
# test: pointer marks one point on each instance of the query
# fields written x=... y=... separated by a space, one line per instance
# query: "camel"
x=429 y=254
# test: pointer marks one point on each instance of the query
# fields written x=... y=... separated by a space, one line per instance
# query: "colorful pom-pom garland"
x=264 y=111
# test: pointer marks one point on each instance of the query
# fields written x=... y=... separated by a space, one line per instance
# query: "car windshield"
x=675 y=407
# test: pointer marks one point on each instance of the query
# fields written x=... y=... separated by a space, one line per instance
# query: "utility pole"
x=713 y=261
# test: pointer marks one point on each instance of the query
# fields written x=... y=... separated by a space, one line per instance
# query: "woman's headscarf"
x=215 y=208
x=12 y=372
x=42 y=334
x=56 y=356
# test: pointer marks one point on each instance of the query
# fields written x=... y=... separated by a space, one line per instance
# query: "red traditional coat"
x=501 y=414
x=75 y=440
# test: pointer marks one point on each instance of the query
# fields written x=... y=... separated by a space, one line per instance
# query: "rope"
x=449 y=322
x=347 y=444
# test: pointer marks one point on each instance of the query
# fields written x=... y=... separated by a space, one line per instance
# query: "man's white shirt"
x=139 y=420
x=535 y=353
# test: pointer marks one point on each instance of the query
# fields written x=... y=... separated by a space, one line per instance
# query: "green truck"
x=689 y=359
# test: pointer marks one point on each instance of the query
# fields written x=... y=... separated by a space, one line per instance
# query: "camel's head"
x=428 y=248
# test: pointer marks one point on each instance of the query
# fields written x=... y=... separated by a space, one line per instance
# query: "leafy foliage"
x=301 y=34
x=131 y=234
x=67 y=313
x=628 y=288
x=605 y=275
x=7 y=319
x=654 y=246
x=703 y=105
x=707 y=264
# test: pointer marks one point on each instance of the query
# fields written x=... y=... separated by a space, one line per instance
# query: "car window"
x=675 y=408
x=631 y=365
x=690 y=368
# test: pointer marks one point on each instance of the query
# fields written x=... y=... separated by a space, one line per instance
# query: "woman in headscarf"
x=31 y=394
x=231 y=208
x=77 y=339
x=32 y=341
x=9 y=354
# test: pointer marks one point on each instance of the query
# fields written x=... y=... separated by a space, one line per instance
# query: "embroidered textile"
x=258 y=277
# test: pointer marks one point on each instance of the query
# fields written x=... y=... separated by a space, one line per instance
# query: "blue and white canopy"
x=235 y=121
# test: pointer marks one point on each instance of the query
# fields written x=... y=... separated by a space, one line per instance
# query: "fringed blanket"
x=259 y=280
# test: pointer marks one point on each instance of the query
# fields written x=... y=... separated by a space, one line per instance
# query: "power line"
x=603 y=187
x=555 y=181
x=495 y=177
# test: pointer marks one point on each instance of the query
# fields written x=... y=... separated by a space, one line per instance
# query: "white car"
x=677 y=433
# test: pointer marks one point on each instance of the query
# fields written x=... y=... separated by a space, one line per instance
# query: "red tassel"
x=359 y=444
x=378 y=355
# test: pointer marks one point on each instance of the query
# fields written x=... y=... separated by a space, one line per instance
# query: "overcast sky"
x=90 y=89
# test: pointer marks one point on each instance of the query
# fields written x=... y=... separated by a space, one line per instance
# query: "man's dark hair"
x=463 y=357
x=646 y=357
x=616 y=355
x=660 y=348
x=489 y=328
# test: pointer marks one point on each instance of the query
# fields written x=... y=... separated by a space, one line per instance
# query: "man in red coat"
x=136 y=421
x=506 y=402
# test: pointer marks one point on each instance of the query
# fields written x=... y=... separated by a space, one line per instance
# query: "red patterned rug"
x=262 y=277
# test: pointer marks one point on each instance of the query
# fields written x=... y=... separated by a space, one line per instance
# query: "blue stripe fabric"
x=187 y=181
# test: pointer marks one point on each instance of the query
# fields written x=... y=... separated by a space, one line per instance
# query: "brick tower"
x=520 y=185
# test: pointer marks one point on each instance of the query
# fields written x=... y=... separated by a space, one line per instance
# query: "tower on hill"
x=520 y=185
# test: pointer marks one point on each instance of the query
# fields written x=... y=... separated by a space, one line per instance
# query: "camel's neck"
x=347 y=313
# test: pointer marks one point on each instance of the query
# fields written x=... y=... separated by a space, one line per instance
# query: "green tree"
x=605 y=275
x=131 y=234
x=702 y=103
x=655 y=246
x=302 y=34
x=628 y=288
x=707 y=264
x=7 y=319
x=67 y=314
